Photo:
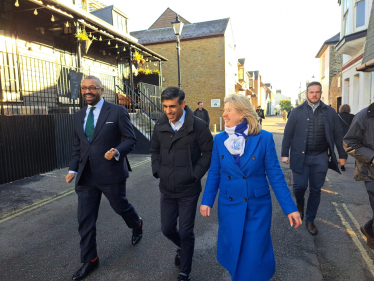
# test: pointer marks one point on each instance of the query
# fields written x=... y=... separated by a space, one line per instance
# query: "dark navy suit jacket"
x=113 y=130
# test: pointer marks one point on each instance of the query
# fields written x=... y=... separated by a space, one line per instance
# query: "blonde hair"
x=243 y=107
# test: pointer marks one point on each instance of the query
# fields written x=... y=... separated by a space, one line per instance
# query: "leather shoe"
x=312 y=229
x=85 y=270
x=184 y=277
x=369 y=239
x=137 y=233
x=177 y=260
x=301 y=211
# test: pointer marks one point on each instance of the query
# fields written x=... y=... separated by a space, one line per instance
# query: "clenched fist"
x=110 y=154
x=69 y=177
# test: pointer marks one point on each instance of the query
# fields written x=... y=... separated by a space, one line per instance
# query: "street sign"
x=215 y=103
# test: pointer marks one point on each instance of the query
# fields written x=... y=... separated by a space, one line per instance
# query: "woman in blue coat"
x=243 y=159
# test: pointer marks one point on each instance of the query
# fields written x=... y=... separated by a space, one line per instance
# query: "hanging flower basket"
x=84 y=41
x=85 y=44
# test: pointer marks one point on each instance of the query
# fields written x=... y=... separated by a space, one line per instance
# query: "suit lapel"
x=228 y=155
x=80 y=123
x=101 y=120
x=250 y=147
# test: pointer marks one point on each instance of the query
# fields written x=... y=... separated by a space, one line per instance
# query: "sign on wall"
x=75 y=83
x=215 y=103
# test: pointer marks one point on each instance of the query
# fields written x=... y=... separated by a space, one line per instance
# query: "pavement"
x=39 y=238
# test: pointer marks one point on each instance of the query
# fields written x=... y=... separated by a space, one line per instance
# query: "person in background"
x=275 y=112
x=202 y=113
x=284 y=115
x=261 y=114
x=289 y=112
x=244 y=159
x=345 y=118
x=310 y=137
x=359 y=143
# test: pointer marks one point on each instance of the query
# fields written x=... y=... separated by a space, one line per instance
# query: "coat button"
x=253 y=158
x=171 y=136
x=229 y=177
x=302 y=152
x=244 y=178
x=230 y=198
x=222 y=156
x=307 y=119
x=245 y=200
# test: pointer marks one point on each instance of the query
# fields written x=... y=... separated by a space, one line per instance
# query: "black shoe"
x=184 y=277
x=137 y=233
x=301 y=211
x=177 y=260
x=342 y=168
x=85 y=270
x=312 y=229
x=369 y=239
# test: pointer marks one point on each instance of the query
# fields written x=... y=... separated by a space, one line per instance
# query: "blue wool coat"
x=244 y=205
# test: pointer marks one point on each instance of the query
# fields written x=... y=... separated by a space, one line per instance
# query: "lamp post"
x=178 y=26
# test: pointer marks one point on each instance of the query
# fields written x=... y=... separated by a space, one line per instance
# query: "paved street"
x=39 y=238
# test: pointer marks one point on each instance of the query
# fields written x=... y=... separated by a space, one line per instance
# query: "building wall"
x=324 y=70
x=356 y=88
x=202 y=72
x=335 y=91
x=336 y=62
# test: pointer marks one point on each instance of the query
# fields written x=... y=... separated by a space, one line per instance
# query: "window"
x=323 y=66
x=338 y=82
x=119 y=22
x=346 y=17
x=241 y=74
x=360 y=13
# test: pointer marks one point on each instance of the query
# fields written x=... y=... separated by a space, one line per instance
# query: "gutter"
x=366 y=67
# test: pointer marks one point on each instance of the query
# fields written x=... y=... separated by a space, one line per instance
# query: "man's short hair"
x=97 y=80
x=171 y=93
x=315 y=83
x=199 y=102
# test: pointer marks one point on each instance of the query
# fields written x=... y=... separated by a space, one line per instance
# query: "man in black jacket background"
x=202 y=113
x=181 y=148
x=311 y=132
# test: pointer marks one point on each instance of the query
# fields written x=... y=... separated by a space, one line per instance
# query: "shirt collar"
x=314 y=105
x=98 y=105
x=181 y=120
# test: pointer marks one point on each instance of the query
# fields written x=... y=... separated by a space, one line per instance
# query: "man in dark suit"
x=103 y=137
x=312 y=132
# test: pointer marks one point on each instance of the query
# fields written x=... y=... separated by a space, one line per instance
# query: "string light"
x=100 y=39
x=35 y=12
x=52 y=18
x=90 y=35
x=116 y=45
x=110 y=54
x=67 y=24
x=109 y=43
x=16 y=4
x=124 y=49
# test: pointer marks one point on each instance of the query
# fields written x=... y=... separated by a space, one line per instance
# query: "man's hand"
x=205 y=210
x=342 y=162
x=69 y=177
x=286 y=160
x=110 y=154
x=295 y=218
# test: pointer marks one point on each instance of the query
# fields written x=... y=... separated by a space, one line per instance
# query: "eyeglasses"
x=90 y=88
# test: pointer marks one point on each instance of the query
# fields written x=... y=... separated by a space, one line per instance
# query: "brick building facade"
x=336 y=92
x=208 y=62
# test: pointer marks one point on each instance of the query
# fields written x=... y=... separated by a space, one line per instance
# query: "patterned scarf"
x=235 y=144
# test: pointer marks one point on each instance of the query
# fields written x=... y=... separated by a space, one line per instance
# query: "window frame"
x=355 y=16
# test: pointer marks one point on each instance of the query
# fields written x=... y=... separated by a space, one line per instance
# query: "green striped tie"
x=90 y=127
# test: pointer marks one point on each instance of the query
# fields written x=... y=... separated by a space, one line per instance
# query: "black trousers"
x=89 y=197
x=185 y=209
x=369 y=225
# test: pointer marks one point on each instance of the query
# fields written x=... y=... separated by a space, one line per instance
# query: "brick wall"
x=202 y=72
x=335 y=90
x=336 y=62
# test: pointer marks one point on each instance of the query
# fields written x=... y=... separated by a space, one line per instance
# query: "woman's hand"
x=294 y=218
x=205 y=210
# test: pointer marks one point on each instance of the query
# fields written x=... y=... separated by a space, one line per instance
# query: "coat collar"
x=104 y=113
x=370 y=112
x=164 y=121
x=250 y=147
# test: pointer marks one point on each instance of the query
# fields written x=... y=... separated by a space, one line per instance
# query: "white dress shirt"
x=179 y=123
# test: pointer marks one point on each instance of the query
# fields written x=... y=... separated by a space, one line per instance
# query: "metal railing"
x=143 y=112
x=31 y=86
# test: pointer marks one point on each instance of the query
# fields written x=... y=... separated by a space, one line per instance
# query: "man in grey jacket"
x=359 y=143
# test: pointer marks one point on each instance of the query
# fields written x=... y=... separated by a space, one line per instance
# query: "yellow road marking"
x=367 y=259
x=328 y=191
x=40 y=203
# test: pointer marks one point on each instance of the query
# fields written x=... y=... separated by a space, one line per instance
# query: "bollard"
x=215 y=128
